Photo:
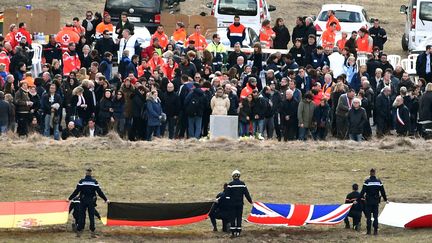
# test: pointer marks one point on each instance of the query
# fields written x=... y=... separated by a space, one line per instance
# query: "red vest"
x=70 y=63
x=363 y=44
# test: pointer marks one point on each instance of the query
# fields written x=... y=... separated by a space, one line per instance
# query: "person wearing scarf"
x=402 y=116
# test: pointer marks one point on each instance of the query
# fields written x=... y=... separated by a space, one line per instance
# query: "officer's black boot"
x=347 y=225
x=375 y=231
x=368 y=231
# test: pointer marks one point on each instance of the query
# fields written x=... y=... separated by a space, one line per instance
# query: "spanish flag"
x=33 y=213
x=156 y=214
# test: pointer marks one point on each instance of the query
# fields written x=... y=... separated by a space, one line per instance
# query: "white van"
x=418 y=25
x=251 y=12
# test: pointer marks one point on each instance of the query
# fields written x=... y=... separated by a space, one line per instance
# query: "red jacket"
x=163 y=39
x=4 y=59
x=153 y=64
x=66 y=36
x=24 y=32
x=71 y=62
x=169 y=71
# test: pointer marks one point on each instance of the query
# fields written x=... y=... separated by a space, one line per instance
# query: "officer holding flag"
x=235 y=192
x=87 y=189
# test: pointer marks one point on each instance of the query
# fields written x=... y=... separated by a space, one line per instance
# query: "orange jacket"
x=29 y=81
x=246 y=91
x=153 y=64
x=341 y=43
x=162 y=37
x=140 y=70
x=79 y=30
x=328 y=38
x=65 y=36
x=70 y=63
x=179 y=35
x=266 y=37
x=200 y=41
x=102 y=26
x=332 y=19
x=363 y=44
x=4 y=59
x=10 y=37
x=326 y=91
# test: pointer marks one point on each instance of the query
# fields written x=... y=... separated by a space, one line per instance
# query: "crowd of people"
x=172 y=87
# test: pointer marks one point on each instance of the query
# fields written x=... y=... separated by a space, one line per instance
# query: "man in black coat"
x=383 y=112
x=299 y=31
x=195 y=103
x=106 y=44
x=356 y=209
x=282 y=35
x=138 y=107
x=259 y=111
x=89 y=24
x=170 y=105
x=356 y=120
x=87 y=189
x=234 y=100
x=51 y=50
x=124 y=24
x=378 y=35
x=236 y=191
x=288 y=116
x=424 y=64
x=372 y=191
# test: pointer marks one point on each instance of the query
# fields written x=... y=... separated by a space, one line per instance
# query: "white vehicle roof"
x=347 y=7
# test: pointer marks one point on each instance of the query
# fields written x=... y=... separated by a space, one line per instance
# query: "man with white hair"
x=288 y=116
x=356 y=120
x=239 y=65
x=382 y=110
x=129 y=42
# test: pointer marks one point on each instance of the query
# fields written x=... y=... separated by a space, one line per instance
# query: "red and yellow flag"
x=33 y=213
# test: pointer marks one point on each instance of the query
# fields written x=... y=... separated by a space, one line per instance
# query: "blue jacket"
x=105 y=68
x=118 y=107
x=154 y=110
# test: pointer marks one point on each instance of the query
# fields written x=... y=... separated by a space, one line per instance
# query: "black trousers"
x=277 y=126
x=86 y=206
x=371 y=210
x=383 y=126
x=289 y=131
x=341 y=127
x=216 y=214
x=236 y=218
x=355 y=215
x=138 y=129
x=182 y=125
x=23 y=120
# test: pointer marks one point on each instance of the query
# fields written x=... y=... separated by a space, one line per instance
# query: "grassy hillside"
x=186 y=171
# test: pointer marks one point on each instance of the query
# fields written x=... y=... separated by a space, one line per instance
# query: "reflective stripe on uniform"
x=236 y=34
x=373 y=184
x=87 y=183
x=236 y=185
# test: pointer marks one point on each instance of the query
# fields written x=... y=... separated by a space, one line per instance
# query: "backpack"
x=194 y=106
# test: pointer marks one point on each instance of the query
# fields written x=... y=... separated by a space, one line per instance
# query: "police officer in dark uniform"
x=219 y=210
x=356 y=209
x=87 y=189
x=378 y=35
x=372 y=191
x=235 y=192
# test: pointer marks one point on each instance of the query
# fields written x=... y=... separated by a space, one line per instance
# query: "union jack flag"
x=297 y=214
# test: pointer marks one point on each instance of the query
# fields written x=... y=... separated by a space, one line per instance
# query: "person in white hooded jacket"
x=220 y=103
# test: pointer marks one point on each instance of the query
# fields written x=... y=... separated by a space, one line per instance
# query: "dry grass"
x=176 y=171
